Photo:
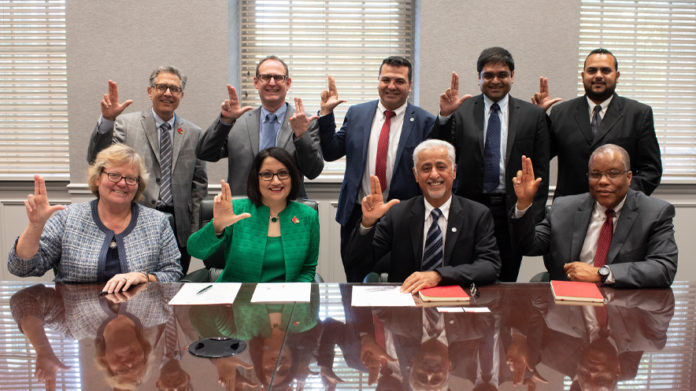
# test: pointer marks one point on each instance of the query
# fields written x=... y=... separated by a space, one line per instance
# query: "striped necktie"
x=432 y=252
x=165 y=193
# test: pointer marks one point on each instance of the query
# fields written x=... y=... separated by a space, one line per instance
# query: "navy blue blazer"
x=352 y=141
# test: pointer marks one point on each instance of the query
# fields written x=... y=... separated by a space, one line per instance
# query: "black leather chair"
x=216 y=262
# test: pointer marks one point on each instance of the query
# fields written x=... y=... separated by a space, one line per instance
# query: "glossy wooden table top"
x=641 y=339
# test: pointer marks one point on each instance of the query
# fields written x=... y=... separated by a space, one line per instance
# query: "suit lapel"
x=513 y=107
x=406 y=129
x=455 y=224
x=253 y=127
x=479 y=113
x=611 y=118
x=285 y=134
x=363 y=130
x=178 y=139
x=628 y=216
x=148 y=123
x=582 y=119
x=415 y=227
x=582 y=222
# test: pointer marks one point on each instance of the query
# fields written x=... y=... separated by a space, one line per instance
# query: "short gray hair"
x=168 y=69
x=611 y=148
x=433 y=143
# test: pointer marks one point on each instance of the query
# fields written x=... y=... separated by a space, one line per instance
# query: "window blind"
x=33 y=90
x=655 y=45
x=345 y=39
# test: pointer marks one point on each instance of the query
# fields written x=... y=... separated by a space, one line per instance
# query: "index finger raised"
x=226 y=192
x=332 y=84
x=39 y=185
x=231 y=93
x=113 y=89
x=375 y=187
x=454 y=84
x=299 y=107
x=543 y=84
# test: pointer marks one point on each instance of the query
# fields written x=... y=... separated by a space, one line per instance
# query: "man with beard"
x=434 y=239
x=601 y=117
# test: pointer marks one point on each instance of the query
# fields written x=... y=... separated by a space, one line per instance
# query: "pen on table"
x=204 y=289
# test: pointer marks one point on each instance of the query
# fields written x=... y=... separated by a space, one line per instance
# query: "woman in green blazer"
x=268 y=237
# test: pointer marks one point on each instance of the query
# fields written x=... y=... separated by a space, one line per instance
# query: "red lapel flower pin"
x=180 y=131
x=295 y=220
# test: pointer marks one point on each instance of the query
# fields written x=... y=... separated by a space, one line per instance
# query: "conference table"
x=508 y=337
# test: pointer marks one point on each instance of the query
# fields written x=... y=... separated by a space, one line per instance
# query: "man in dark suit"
x=434 y=239
x=239 y=133
x=377 y=138
x=599 y=117
x=613 y=234
x=491 y=132
x=187 y=182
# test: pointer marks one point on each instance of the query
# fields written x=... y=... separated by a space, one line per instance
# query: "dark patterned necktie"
x=604 y=241
x=491 y=152
x=165 y=193
x=432 y=252
x=596 y=119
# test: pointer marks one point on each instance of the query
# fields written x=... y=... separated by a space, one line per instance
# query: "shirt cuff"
x=442 y=119
x=520 y=213
x=364 y=230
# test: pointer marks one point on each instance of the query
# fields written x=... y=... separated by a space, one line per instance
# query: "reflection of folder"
x=449 y=293
x=576 y=291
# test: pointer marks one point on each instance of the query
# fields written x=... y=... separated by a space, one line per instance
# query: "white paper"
x=450 y=309
x=381 y=296
x=218 y=293
x=476 y=309
x=282 y=292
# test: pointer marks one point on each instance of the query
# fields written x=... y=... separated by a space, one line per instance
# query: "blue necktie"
x=267 y=138
x=491 y=152
x=432 y=252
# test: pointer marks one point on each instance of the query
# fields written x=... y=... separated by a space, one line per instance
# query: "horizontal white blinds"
x=345 y=39
x=655 y=44
x=33 y=89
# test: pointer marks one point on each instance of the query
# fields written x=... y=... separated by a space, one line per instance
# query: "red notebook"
x=449 y=293
x=576 y=291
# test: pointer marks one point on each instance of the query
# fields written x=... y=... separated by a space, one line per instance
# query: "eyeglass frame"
x=610 y=174
x=163 y=87
x=266 y=77
x=282 y=175
x=125 y=178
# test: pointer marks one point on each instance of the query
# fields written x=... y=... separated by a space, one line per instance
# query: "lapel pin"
x=295 y=220
x=412 y=119
x=454 y=229
x=180 y=131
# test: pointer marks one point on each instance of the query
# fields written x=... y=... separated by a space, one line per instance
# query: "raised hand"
x=373 y=206
x=541 y=98
x=525 y=184
x=230 y=109
x=37 y=205
x=299 y=122
x=373 y=356
x=223 y=214
x=47 y=366
x=450 y=100
x=329 y=98
x=110 y=107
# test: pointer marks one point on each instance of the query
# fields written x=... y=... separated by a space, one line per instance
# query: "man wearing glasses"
x=491 y=132
x=239 y=133
x=612 y=235
x=178 y=180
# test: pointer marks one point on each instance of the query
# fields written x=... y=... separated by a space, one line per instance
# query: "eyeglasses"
x=171 y=87
x=491 y=75
x=611 y=174
x=266 y=77
x=268 y=175
x=116 y=178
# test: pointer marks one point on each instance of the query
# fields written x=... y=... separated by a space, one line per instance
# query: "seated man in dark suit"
x=436 y=238
x=613 y=234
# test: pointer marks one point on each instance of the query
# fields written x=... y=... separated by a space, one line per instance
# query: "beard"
x=599 y=96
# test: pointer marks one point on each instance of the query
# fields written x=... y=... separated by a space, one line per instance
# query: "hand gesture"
x=110 y=107
x=47 y=366
x=450 y=100
x=230 y=109
x=37 y=205
x=223 y=214
x=329 y=98
x=373 y=356
x=228 y=376
x=541 y=98
x=299 y=121
x=525 y=185
x=373 y=206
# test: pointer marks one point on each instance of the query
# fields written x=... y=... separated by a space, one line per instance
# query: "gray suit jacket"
x=189 y=177
x=239 y=143
x=642 y=254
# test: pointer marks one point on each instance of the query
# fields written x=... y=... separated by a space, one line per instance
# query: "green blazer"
x=246 y=242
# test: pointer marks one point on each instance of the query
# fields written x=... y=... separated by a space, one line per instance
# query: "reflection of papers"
x=218 y=293
x=381 y=296
x=282 y=292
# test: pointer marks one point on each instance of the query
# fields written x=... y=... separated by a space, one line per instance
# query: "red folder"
x=449 y=293
x=576 y=291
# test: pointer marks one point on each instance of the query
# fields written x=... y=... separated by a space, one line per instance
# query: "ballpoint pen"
x=204 y=289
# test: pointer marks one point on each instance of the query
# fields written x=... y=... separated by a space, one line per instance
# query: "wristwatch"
x=603 y=273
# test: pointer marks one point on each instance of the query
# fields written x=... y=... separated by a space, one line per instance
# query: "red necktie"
x=382 y=147
x=604 y=241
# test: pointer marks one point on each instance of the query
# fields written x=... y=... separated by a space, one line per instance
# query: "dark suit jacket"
x=352 y=141
x=642 y=253
x=189 y=177
x=471 y=253
x=239 y=143
x=627 y=123
x=527 y=135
